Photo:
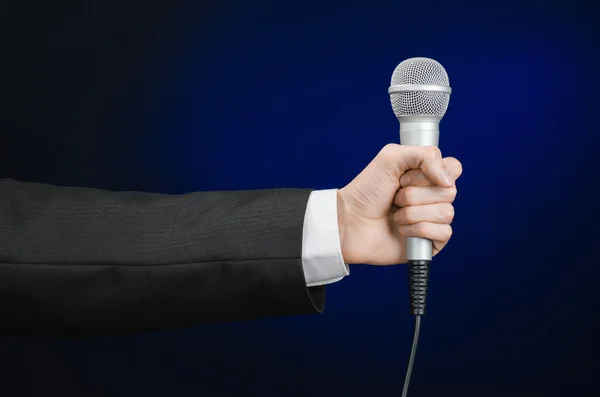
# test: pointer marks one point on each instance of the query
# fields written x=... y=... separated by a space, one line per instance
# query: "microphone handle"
x=419 y=131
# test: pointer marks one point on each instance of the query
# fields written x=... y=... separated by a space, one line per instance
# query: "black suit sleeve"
x=86 y=262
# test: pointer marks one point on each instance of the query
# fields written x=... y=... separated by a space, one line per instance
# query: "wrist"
x=341 y=218
x=343 y=215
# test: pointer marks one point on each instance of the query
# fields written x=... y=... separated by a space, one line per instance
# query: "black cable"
x=413 y=352
x=418 y=283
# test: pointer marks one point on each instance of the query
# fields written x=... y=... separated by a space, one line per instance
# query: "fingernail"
x=446 y=178
x=403 y=228
x=406 y=180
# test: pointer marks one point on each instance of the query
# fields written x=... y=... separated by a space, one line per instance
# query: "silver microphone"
x=419 y=92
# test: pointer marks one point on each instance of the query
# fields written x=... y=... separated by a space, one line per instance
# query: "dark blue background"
x=180 y=96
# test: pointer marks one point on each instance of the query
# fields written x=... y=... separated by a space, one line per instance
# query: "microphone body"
x=419 y=131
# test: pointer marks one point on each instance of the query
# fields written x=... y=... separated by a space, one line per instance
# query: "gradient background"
x=180 y=96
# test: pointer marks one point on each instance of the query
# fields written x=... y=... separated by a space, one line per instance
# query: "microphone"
x=419 y=93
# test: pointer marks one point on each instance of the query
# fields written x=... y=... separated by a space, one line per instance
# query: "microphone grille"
x=420 y=71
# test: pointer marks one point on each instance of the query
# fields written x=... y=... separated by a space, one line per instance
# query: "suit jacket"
x=87 y=262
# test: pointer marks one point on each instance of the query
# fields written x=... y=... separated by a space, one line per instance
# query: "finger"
x=438 y=246
x=422 y=195
x=400 y=159
x=427 y=230
x=418 y=178
x=442 y=213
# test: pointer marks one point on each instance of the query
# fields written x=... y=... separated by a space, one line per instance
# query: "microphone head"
x=419 y=87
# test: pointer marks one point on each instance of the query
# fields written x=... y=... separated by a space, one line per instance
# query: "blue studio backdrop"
x=180 y=96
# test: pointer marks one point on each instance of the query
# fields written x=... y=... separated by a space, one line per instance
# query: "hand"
x=406 y=191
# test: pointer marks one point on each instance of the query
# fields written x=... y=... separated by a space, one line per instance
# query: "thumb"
x=400 y=158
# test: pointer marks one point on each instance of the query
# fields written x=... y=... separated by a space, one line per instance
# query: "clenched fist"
x=406 y=191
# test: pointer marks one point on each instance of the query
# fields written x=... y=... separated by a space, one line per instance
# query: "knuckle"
x=459 y=168
x=449 y=213
x=389 y=150
x=452 y=192
x=448 y=233
x=406 y=196
x=433 y=153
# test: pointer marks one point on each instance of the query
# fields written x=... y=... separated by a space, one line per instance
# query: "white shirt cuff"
x=321 y=251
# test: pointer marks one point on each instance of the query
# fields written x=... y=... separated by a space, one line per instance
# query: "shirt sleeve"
x=321 y=251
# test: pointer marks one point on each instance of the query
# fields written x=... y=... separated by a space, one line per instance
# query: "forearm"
x=102 y=300
x=49 y=224
x=82 y=262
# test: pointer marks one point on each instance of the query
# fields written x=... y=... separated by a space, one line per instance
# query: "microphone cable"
x=418 y=271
